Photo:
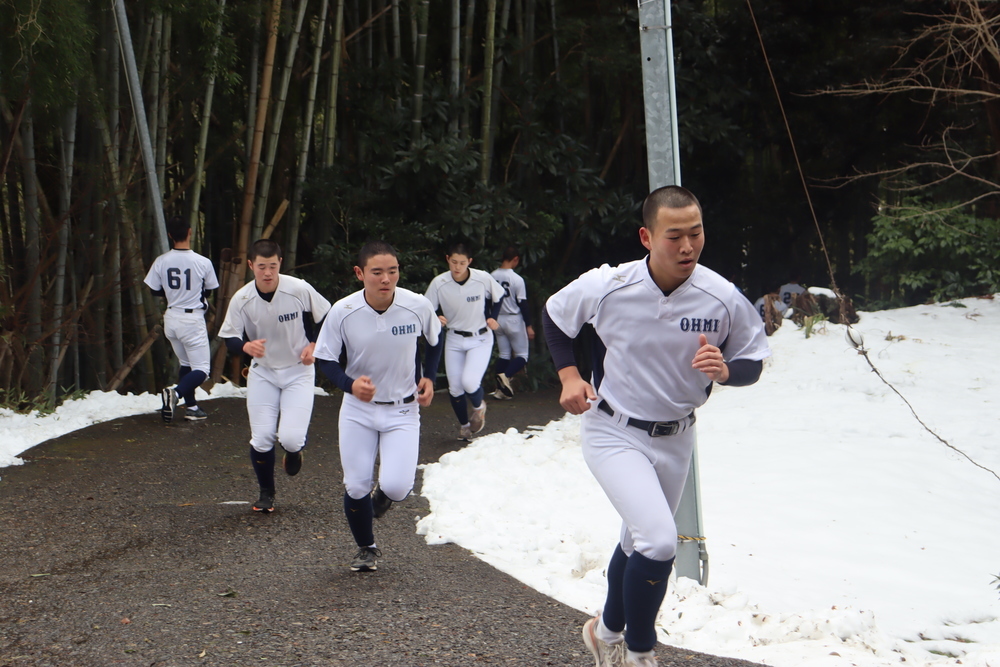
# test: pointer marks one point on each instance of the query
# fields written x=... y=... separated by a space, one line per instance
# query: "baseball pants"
x=188 y=337
x=512 y=337
x=642 y=476
x=465 y=361
x=390 y=431
x=279 y=404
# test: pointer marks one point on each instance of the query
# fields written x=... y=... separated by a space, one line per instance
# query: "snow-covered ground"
x=840 y=531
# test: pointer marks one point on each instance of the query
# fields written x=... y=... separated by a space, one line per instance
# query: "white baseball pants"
x=642 y=476
x=390 y=431
x=279 y=404
x=512 y=337
x=465 y=361
x=188 y=336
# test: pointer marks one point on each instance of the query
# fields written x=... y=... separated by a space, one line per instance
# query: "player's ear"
x=359 y=272
x=644 y=237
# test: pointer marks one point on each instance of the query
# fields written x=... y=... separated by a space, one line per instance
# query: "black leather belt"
x=470 y=334
x=408 y=399
x=654 y=429
x=190 y=310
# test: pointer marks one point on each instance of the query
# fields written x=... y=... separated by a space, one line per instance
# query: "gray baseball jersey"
x=183 y=275
x=278 y=321
x=463 y=304
x=382 y=346
x=514 y=288
x=651 y=338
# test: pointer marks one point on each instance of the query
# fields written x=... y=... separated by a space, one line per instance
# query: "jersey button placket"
x=666 y=309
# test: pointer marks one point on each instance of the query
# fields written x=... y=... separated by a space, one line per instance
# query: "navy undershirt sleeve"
x=743 y=372
x=493 y=309
x=525 y=312
x=334 y=371
x=159 y=292
x=312 y=327
x=432 y=358
x=560 y=345
x=235 y=345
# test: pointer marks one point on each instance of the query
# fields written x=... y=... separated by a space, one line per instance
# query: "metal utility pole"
x=663 y=159
x=139 y=110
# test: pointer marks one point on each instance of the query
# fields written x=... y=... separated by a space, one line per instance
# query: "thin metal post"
x=664 y=164
x=139 y=111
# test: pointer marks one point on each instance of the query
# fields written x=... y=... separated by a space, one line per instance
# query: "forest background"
x=870 y=160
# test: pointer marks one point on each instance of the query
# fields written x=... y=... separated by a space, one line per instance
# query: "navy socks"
x=614 y=606
x=263 y=467
x=360 y=517
x=514 y=366
x=189 y=382
x=644 y=587
x=460 y=408
x=476 y=397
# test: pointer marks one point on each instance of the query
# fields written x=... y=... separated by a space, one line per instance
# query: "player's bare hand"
x=363 y=389
x=531 y=332
x=709 y=360
x=425 y=392
x=576 y=392
x=492 y=323
x=255 y=348
x=307 y=357
x=444 y=320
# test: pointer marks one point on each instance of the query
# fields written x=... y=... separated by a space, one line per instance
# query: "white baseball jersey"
x=183 y=275
x=382 y=346
x=789 y=291
x=279 y=320
x=513 y=285
x=463 y=304
x=651 y=338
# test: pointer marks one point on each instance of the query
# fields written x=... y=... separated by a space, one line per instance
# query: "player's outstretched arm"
x=425 y=392
x=363 y=389
x=709 y=360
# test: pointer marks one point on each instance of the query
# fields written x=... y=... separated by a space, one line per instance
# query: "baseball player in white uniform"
x=377 y=328
x=184 y=278
x=669 y=329
x=275 y=319
x=515 y=328
x=470 y=301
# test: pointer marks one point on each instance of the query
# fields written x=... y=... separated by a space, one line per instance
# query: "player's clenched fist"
x=425 y=392
x=709 y=360
x=307 y=354
x=255 y=348
x=576 y=392
x=363 y=389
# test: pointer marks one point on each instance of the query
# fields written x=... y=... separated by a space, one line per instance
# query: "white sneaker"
x=503 y=384
x=605 y=655
x=477 y=420
x=465 y=432
x=646 y=659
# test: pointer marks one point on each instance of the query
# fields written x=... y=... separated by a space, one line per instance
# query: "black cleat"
x=292 y=463
x=381 y=503
x=365 y=560
x=264 y=504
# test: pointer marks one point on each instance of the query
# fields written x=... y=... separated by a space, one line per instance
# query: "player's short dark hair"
x=373 y=248
x=264 y=248
x=459 y=248
x=669 y=196
x=509 y=253
x=178 y=228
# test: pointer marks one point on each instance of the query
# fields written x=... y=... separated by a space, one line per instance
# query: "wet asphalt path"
x=118 y=546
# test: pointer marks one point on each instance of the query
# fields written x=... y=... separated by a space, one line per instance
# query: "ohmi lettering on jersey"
x=404 y=330
x=288 y=317
x=470 y=299
x=699 y=325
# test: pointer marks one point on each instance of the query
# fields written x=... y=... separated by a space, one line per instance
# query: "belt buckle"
x=660 y=429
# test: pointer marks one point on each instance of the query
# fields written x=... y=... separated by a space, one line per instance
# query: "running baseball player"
x=275 y=319
x=470 y=301
x=670 y=328
x=515 y=328
x=377 y=328
x=184 y=278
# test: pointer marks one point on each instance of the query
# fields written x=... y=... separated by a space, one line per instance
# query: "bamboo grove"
x=323 y=123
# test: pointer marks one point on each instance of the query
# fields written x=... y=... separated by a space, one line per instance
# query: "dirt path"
x=118 y=547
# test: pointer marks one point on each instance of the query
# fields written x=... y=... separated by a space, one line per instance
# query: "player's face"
x=675 y=244
x=458 y=264
x=265 y=272
x=380 y=275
